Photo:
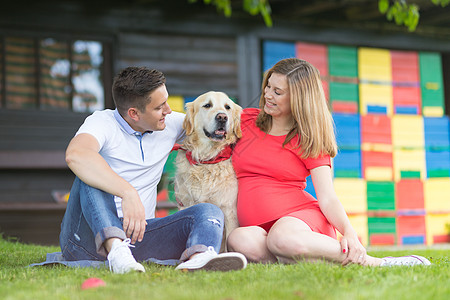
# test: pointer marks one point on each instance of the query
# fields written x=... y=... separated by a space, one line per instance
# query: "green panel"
x=346 y=173
x=170 y=166
x=380 y=195
x=431 y=97
x=343 y=61
x=344 y=91
x=171 y=191
x=381 y=225
x=409 y=174
x=430 y=67
x=438 y=173
x=431 y=80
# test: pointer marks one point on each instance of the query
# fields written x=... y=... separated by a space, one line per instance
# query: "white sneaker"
x=211 y=261
x=121 y=260
x=411 y=260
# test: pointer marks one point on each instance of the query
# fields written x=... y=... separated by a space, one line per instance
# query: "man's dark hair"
x=132 y=87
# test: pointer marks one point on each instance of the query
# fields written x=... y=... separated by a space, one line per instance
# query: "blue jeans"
x=91 y=218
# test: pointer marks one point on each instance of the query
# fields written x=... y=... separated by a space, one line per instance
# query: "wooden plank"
x=31 y=206
x=33 y=159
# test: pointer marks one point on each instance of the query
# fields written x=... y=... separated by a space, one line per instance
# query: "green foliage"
x=253 y=7
x=300 y=281
x=404 y=13
x=400 y=11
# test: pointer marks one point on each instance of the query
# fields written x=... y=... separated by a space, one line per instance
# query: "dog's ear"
x=237 y=121
x=188 y=124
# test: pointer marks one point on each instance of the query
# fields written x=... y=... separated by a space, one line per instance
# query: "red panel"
x=326 y=90
x=409 y=194
x=405 y=66
x=345 y=107
x=410 y=225
x=315 y=54
x=382 y=239
x=376 y=129
x=407 y=96
x=438 y=239
x=163 y=195
x=161 y=213
x=376 y=159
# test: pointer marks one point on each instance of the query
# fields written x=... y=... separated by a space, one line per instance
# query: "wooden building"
x=58 y=58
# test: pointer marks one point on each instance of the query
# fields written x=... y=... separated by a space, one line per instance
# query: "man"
x=118 y=158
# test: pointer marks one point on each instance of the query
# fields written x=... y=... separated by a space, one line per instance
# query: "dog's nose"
x=221 y=117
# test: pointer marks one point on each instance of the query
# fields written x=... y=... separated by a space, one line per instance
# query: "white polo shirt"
x=137 y=158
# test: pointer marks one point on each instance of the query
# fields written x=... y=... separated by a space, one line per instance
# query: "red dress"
x=272 y=180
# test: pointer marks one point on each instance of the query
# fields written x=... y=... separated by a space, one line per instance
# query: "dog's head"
x=213 y=116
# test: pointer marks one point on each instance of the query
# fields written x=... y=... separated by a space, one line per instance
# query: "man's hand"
x=133 y=217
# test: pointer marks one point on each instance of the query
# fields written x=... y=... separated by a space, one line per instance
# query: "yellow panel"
x=436 y=224
x=374 y=64
x=433 y=111
x=378 y=173
x=409 y=160
x=375 y=94
x=176 y=103
x=359 y=223
x=437 y=195
x=407 y=131
x=352 y=192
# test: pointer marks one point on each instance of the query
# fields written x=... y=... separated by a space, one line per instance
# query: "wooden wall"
x=192 y=64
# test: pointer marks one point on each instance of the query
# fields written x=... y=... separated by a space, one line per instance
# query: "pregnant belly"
x=263 y=200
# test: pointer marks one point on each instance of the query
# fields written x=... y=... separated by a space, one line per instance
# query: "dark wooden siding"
x=32 y=147
x=192 y=64
x=22 y=130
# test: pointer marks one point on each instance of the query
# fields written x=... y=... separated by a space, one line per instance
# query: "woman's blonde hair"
x=314 y=124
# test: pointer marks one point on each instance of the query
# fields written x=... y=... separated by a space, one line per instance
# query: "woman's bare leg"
x=291 y=238
x=252 y=242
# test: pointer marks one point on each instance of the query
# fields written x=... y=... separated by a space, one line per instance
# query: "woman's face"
x=277 y=96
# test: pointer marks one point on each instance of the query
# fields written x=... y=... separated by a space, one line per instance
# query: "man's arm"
x=83 y=159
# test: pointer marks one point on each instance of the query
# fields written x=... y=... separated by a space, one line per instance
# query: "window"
x=51 y=74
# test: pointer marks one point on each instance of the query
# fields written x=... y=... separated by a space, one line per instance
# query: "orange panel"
x=382 y=239
x=376 y=129
x=409 y=194
x=405 y=66
x=410 y=225
x=315 y=54
x=407 y=96
x=344 y=107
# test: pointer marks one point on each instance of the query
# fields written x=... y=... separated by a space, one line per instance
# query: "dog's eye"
x=207 y=105
x=227 y=107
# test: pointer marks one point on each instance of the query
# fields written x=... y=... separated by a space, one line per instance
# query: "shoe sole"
x=222 y=263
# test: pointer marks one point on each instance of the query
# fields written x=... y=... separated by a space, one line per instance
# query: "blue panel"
x=274 y=51
x=436 y=132
x=310 y=187
x=348 y=160
x=413 y=239
x=189 y=99
x=438 y=160
x=406 y=110
x=376 y=109
x=348 y=131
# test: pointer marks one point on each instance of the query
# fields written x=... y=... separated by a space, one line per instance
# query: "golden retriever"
x=204 y=169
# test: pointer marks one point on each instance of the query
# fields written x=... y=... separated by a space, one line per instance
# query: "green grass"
x=301 y=281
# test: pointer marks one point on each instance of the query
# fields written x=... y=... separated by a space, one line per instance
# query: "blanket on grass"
x=56 y=258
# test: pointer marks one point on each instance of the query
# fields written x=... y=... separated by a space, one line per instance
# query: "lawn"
x=301 y=281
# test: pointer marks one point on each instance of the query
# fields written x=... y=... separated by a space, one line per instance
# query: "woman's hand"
x=356 y=253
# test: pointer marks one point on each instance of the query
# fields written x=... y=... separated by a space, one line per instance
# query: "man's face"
x=153 y=118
